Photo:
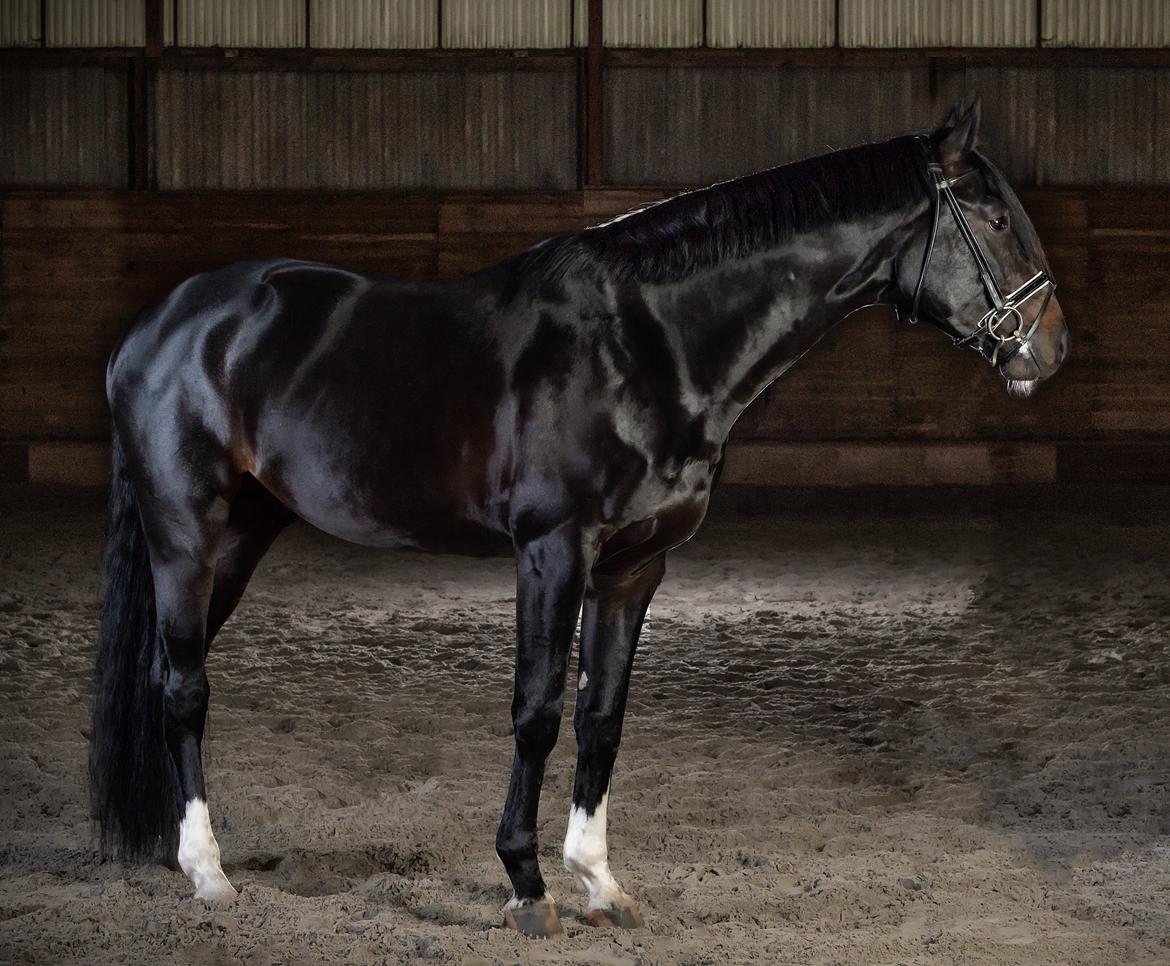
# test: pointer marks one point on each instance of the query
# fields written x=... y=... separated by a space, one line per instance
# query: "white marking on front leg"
x=583 y=681
x=517 y=903
x=587 y=857
x=199 y=855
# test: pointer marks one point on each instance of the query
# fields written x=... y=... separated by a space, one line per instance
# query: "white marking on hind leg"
x=199 y=855
x=587 y=857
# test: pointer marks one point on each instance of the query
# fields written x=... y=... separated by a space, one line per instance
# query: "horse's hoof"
x=216 y=891
x=537 y=920
x=620 y=915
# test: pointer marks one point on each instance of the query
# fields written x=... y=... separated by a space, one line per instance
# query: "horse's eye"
x=999 y=224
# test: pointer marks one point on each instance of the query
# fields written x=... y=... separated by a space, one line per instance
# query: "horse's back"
x=367 y=405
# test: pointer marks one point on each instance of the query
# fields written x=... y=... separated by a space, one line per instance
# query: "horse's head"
x=974 y=266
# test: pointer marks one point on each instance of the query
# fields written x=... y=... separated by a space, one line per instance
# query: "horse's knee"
x=514 y=846
x=537 y=728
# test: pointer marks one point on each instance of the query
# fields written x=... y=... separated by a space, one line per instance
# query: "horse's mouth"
x=1021 y=388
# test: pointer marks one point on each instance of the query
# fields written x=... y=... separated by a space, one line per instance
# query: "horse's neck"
x=740 y=324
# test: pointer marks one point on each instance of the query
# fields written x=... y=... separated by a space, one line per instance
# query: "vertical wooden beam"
x=138 y=124
x=594 y=98
x=143 y=69
x=44 y=21
x=438 y=24
x=706 y=11
x=154 y=27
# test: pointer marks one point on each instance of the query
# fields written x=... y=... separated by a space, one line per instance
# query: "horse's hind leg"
x=255 y=520
x=611 y=621
x=184 y=520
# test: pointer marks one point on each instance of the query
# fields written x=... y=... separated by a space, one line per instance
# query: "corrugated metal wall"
x=938 y=23
x=94 y=23
x=241 y=23
x=63 y=126
x=366 y=130
x=20 y=23
x=654 y=23
x=399 y=24
x=771 y=23
x=507 y=23
x=1116 y=23
x=369 y=24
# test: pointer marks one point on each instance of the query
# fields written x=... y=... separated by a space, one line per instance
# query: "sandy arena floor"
x=856 y=736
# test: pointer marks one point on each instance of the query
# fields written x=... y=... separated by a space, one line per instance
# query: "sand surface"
x=857 y=734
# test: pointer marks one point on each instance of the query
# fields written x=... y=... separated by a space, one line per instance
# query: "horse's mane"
x=671 y=239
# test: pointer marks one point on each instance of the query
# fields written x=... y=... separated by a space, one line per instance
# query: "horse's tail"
x=133 y=781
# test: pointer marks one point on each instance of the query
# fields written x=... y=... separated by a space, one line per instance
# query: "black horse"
x=569 y=406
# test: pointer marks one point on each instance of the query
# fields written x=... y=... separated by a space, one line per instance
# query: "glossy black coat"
x=564 y=407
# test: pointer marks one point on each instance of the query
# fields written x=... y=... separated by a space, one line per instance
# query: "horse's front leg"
x=610 y=624
x=550 y=581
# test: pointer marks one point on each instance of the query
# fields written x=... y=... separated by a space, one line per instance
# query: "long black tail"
x=133 y=781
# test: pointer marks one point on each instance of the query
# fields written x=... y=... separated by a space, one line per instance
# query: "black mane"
x=671 y=239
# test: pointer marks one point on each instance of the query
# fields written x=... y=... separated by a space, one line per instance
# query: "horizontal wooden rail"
x=770 y=464
x=447 y=59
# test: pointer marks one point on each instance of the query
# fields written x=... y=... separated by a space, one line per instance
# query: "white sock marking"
x=515 y=903
x=199 y=854
x=587 y=857
x=583 y=682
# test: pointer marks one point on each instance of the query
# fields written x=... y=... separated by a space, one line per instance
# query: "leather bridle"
x=1001 y=333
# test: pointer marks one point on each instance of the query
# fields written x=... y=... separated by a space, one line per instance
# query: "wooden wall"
x=63 y=126
x=436 y=163
x=371 y=129
x=878 y=401
x=499 y=125
x=1044 y=125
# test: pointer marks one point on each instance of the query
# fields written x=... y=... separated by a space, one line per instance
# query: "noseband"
x=1000 y=334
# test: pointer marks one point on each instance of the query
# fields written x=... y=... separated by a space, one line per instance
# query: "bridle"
x=1003 y=323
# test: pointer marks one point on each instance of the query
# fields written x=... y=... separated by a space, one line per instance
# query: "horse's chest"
x=659 y=516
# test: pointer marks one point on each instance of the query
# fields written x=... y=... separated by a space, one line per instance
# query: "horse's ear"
x=960 y=136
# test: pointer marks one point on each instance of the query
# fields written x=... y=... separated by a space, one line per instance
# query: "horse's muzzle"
x=1042 y=355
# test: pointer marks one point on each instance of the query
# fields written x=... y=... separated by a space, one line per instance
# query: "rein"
x=1003 y=323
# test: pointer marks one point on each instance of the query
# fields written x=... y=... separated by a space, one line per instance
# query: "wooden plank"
x=154 y=28
x=839 y=57
x=461 y=61
x=889 y=464
x=842 y=465
x=74 y=269
x=13 y=463
x=595 y=96
x=77 y=464
x=299 y=130
x=1113 y=463
x=552 y=216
